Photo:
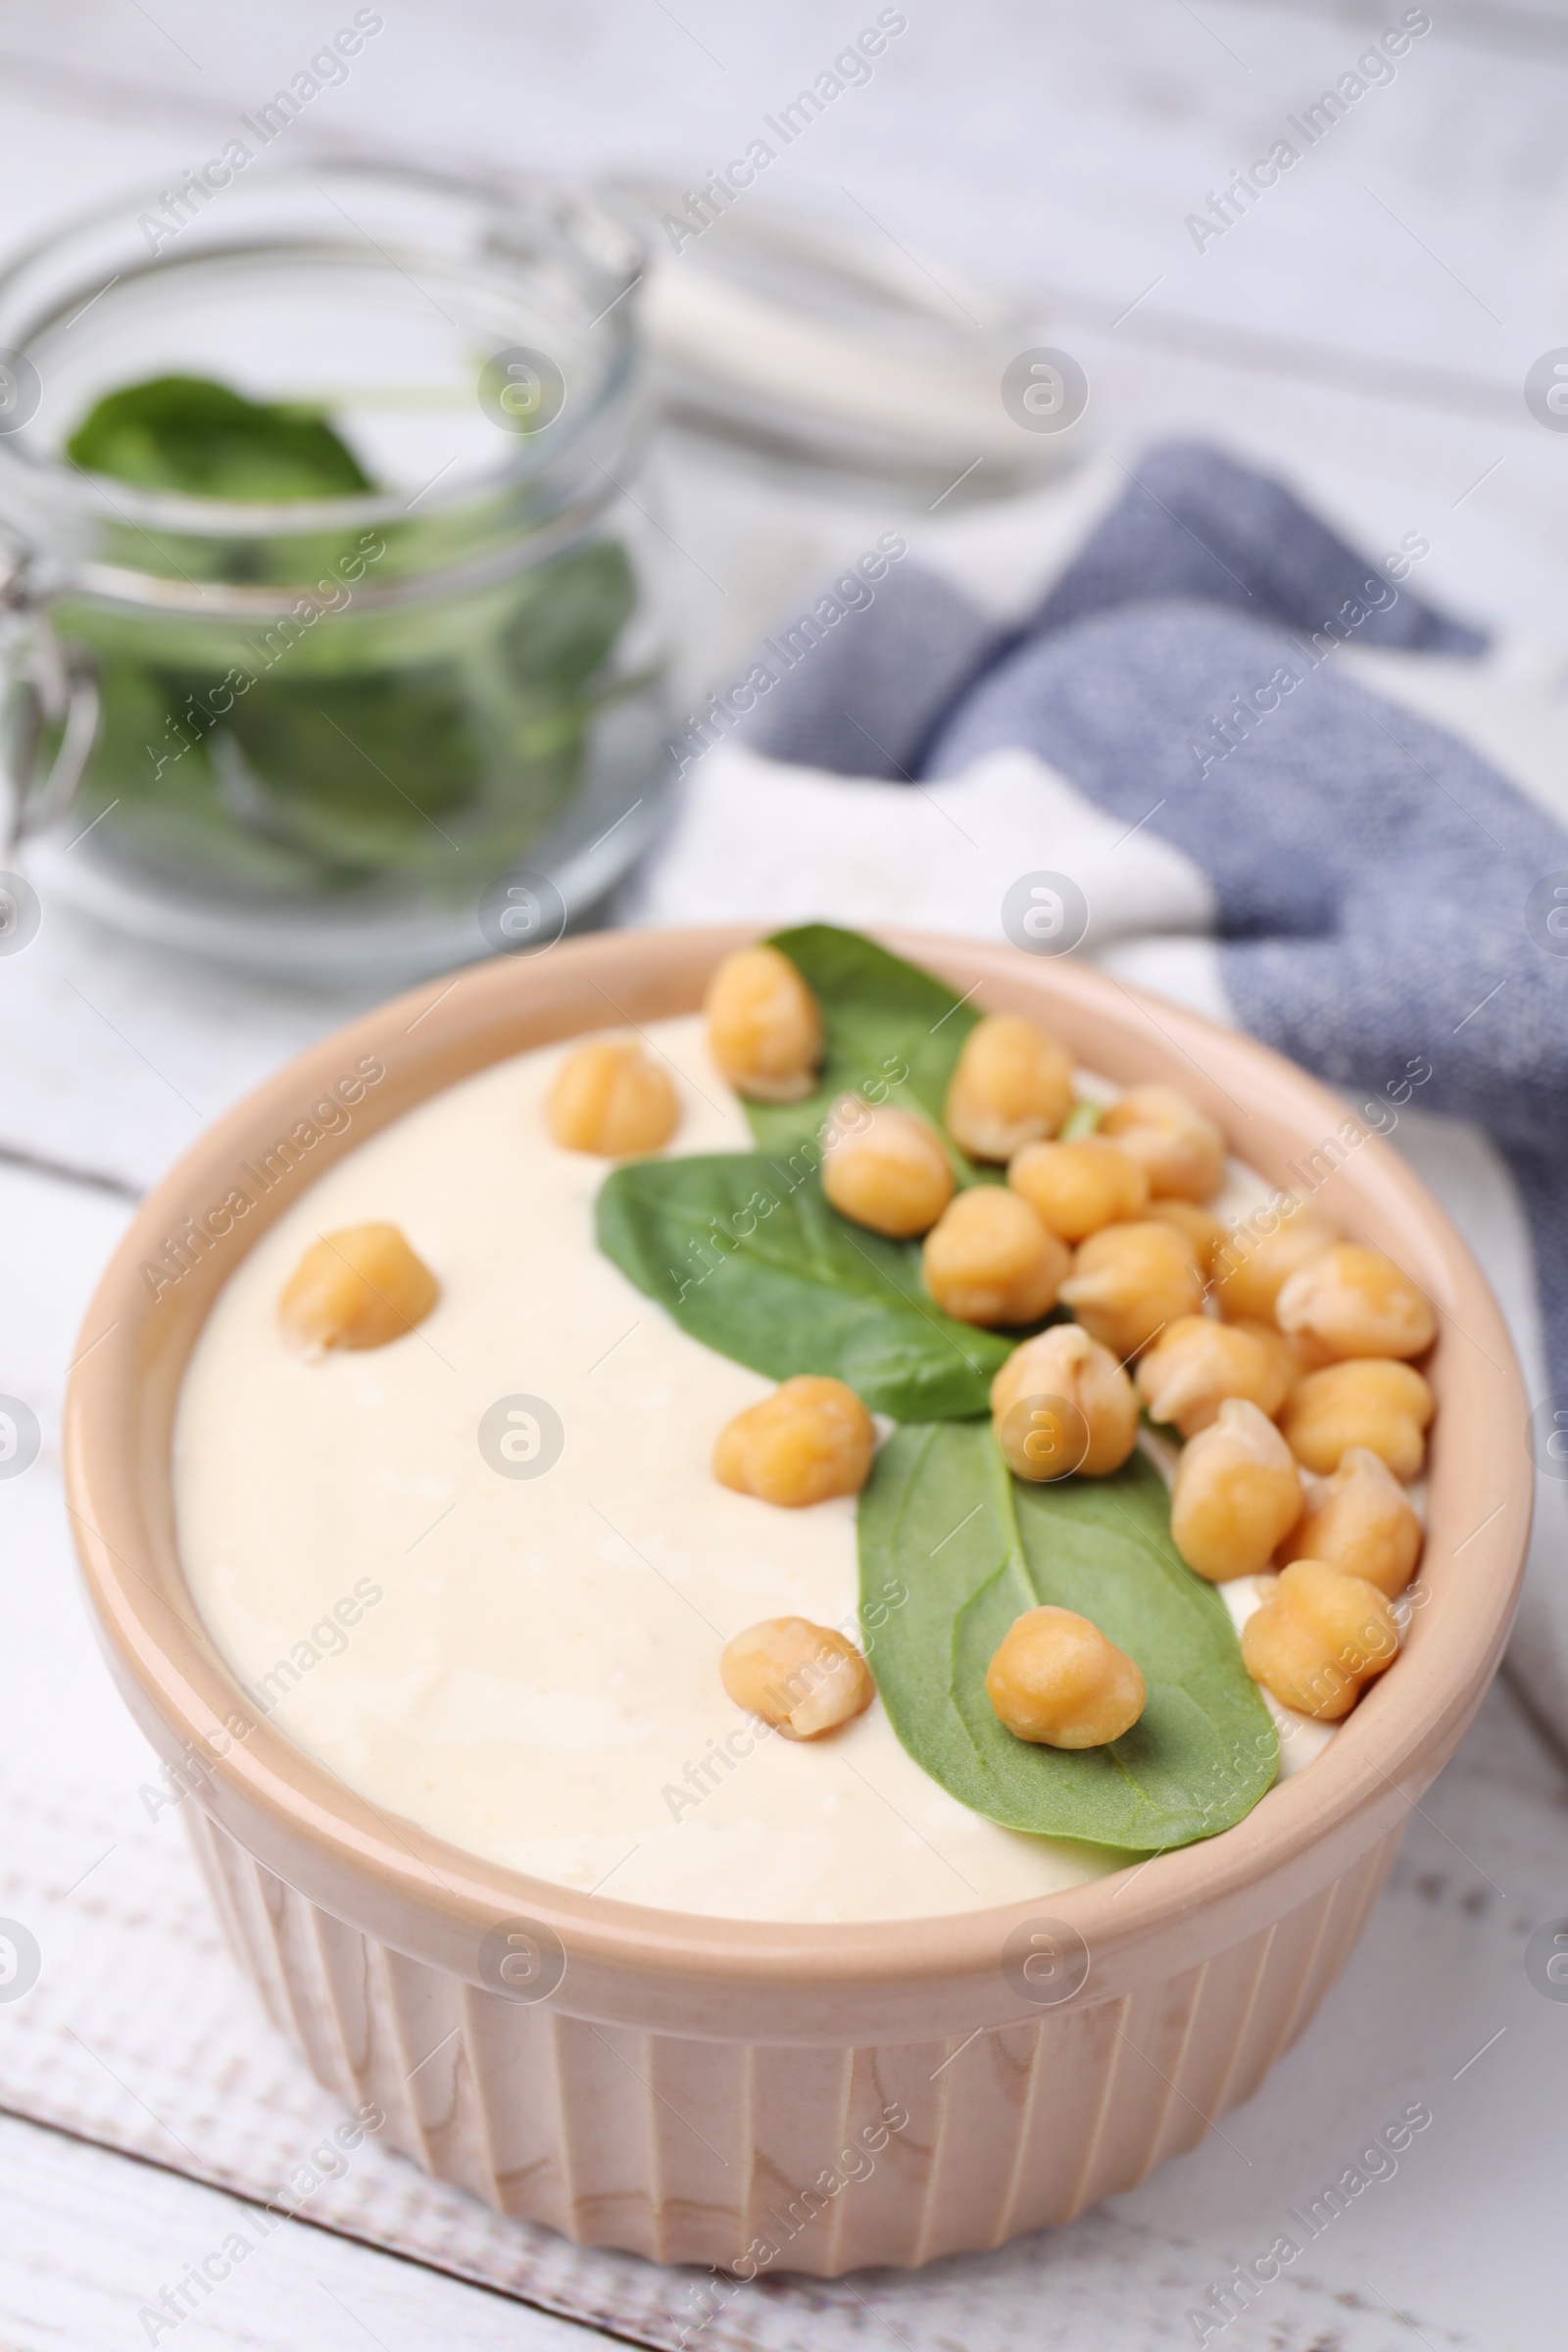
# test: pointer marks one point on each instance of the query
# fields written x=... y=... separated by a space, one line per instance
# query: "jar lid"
x=817 y=342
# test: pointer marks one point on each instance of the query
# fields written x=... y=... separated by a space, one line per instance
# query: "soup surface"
x=524 y=1661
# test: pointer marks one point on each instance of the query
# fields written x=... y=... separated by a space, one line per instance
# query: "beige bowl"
x=752 y=2096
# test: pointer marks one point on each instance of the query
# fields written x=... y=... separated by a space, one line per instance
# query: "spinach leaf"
x=747 y=1255
x=880 y=1016
x=567 y=616
x=183 y=432
x=974 y=1548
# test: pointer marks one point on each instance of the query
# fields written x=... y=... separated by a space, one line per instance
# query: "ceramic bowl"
x=752 y=2096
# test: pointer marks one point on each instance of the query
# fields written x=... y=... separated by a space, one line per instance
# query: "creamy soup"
x=527 y=1665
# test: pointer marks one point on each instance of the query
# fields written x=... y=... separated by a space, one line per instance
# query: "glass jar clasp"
x=44 y=691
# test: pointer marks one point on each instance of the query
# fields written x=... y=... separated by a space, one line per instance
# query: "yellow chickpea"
x=1056 y=1680
x=1361 y=1522
x=1252 y=1267
x=1207 y=1233
x=765 y=1030
x=1013 y=1083
x=359 y=1288
x=1355 y=1302
x=1183 y=1153
x=1236 y=1493
x=612 y=1097
x=1287 y=1356
x=1076 y=1188
x=1062 y=1402
x=1196 y=1363
x=989 y=1260
x=1370 y=1400
x=804 y=1679
x=813 y=1437
x=1128 y=1282
x=886 y=1168
x=1318 y=1637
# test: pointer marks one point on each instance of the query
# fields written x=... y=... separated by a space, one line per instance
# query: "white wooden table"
x=1368 y=327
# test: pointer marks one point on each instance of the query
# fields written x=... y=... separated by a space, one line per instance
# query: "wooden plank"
x=93 y=2239
x=1073 y=145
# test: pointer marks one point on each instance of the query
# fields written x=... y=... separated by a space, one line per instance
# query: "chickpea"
x=989 y=1260
x=1062 y=1402
x=1236 y=1493
x=1196 y=1363
x=360 y=1288
x=1013 y=1083
x=886 y=1168
x=1056 y=1680
x=765 y=1030
x=1355 y=1302
x=610 y=1097
x=1368 y=1400
x=1128 y=1282
x=813 y=1437
x=803 y=1678
x=1362 y=1523
x=1207 y=1234
x=1287 y=1356
x=1318 y=1637
x=1182 y=1152
x=1076 y=1188
x=1252 y=1267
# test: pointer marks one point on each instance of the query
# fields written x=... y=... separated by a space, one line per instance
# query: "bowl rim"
x=432 y=1899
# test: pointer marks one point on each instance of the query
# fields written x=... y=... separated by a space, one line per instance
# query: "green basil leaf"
x=184 y=432
x=747 y=1255
x=974 y=1547
x=880 y=1016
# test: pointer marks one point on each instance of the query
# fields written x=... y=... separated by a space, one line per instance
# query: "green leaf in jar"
x=747 y=1255
x=567 y=616
x=348 y=744
x=367 y=769
x=975 y=1548
x=187 y=434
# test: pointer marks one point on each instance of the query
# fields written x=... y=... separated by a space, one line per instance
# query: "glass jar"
x=820 y=384
x=369 y=734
